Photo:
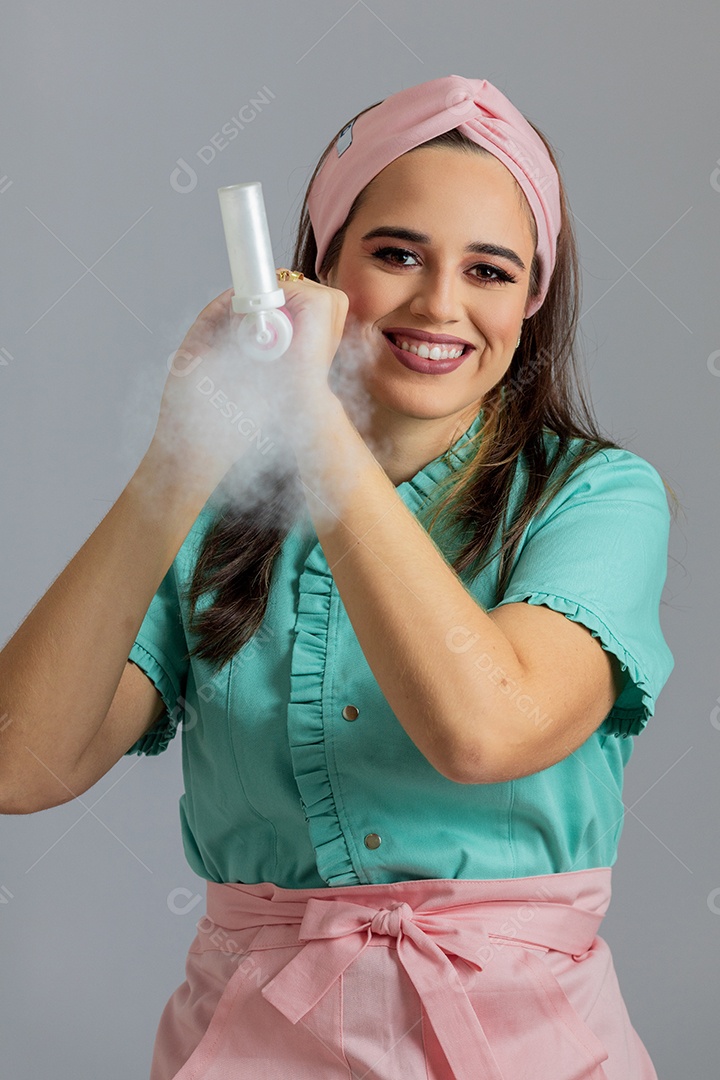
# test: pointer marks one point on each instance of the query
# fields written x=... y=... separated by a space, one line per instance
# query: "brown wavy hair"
x=540 y=390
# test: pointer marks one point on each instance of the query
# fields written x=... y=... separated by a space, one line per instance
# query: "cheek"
x=501 y=326
x=367 y=302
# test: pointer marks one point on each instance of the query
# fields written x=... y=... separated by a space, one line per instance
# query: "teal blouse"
x=297 y=772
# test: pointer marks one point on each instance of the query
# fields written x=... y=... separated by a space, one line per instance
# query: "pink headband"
x=402 y=121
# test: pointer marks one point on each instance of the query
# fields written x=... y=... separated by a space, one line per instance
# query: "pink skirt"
x=438 y=979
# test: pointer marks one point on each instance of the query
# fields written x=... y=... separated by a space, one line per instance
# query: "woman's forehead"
x=455 y=187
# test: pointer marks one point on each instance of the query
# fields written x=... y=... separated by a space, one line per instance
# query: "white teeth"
x=437 y=352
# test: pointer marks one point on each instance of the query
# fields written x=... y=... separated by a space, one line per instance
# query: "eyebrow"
x=476 y=248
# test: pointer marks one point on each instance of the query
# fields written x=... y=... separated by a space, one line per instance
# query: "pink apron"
x=437 y=979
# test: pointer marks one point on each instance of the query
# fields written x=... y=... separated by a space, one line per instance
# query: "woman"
x=409 y=680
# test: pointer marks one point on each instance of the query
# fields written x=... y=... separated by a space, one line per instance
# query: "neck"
x=403 y=444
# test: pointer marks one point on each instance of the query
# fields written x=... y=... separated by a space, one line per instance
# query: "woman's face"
x=431 y=282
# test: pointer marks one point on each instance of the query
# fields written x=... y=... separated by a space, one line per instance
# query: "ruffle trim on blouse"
x=622 y=720
x=306 y=734
x=155 y=741
x=423 y=486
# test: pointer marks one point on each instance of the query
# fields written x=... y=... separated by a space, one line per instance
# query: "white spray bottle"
x=266 y=332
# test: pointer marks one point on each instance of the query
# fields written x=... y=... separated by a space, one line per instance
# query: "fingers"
x=217 y=313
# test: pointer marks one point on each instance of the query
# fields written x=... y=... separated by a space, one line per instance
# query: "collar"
x=418 y=489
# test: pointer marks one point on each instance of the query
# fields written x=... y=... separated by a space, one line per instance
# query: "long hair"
x=540 y=390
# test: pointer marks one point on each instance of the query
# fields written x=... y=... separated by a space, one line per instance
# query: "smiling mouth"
x=425 y=349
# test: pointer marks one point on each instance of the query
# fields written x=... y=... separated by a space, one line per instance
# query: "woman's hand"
x=195 y=433
x=318 y=315
x=212 y=385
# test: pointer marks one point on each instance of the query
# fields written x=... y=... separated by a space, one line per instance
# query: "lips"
x=421 y=335
x=417 y=363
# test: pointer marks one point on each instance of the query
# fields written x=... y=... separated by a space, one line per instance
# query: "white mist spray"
x=237 y=394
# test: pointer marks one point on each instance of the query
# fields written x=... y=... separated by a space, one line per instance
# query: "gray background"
x=105 y=264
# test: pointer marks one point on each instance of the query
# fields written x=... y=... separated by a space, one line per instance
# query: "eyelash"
x=503 y=275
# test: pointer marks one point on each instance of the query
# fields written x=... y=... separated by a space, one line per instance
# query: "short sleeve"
x=598 y=554
x=159 y=650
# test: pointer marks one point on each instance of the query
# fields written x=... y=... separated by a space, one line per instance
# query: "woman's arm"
x=453 y=674
x=60 y=670
x=62 y=667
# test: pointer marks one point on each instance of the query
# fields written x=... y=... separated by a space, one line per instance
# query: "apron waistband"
x=430 y=920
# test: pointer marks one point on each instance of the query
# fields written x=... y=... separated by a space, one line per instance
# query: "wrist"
x=313 y=419
x=332 y=456
x=171 y=477
x=314 y=412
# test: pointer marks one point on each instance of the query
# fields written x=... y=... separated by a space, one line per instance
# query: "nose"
x=437 y=297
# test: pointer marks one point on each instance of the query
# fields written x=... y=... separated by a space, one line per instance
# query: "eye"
x=502 y=275
x=390 y=254
x=385 y=253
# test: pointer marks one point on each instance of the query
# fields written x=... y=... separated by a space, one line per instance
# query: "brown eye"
x=392 y=255
x=502 y=275
x=386 y=254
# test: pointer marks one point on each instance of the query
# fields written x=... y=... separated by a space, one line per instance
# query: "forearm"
x=60 y=669
x=405 y=603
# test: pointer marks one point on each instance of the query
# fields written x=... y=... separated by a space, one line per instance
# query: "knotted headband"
x=402 y=121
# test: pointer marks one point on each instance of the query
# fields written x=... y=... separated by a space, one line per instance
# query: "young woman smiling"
x=406 y=716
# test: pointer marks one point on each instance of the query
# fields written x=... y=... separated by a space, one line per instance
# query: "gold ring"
x=289 y=275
